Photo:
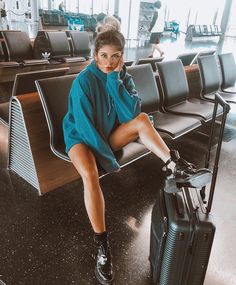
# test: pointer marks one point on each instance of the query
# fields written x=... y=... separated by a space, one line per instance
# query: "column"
x=226 y=16
x=49 y=5
x=34 y=11
x=116 y=8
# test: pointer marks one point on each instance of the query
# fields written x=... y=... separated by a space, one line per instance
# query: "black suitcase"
x=182 y=229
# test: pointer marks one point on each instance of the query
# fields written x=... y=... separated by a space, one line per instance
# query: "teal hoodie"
x=98 y=102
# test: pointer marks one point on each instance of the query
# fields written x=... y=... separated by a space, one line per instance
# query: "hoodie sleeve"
x=82 y=109
x=124 y=96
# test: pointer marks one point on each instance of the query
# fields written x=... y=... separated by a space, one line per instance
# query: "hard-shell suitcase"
x=182 y=229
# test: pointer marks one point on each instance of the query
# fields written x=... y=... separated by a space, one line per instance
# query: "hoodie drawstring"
x=110 y=104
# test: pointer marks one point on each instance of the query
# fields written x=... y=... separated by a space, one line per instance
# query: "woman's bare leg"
x=140 y=127
x=157 y=47
x=85 y=163
x=183 y=173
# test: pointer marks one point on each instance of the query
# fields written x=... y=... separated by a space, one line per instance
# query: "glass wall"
x=194 y=12
x=185 y=12
x=231 y=31
x=89 y=7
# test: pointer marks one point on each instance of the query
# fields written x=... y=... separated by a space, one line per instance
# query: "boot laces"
x=103 y=255
x=185 y=166
x=102 y=259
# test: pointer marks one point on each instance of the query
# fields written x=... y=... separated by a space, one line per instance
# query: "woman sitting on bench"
x=104 y=114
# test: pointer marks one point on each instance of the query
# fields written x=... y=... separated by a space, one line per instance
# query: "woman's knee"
x=89 y=174
x=84 y=161
x=142 y=119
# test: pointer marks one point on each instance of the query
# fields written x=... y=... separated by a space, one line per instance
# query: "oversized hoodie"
x=98 y=102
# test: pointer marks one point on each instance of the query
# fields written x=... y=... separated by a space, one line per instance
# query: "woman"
x=104 y=114
x=156 y=29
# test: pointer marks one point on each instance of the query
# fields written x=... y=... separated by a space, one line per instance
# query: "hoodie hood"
x=101 y=75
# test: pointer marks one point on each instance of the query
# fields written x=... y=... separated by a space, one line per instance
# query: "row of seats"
x=172 y=26
x=58 y=18
x=211 y=78
x=17 y=49
x=53 y=18
x=191 y=57
x=199 y=31
x=24 y=82
x=68 y=46
x=186 y=59
x=172 y=111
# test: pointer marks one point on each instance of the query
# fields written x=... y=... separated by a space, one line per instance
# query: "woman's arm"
x=83 y=113
x=125 y=97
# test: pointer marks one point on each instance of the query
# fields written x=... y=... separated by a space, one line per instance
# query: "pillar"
x=226 y=16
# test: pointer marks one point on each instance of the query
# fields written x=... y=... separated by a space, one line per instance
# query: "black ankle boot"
x=103 y=268
x=185 y=174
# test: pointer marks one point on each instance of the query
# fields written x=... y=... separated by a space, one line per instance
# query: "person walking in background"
x=156 y=28
x=61 y=6
x=3 y=15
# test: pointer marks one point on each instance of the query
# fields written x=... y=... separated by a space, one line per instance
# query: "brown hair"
x=110 y=37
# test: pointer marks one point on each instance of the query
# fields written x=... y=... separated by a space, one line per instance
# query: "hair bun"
x=109 y=23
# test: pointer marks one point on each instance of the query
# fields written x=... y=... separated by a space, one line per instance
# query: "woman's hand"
x=120 y=64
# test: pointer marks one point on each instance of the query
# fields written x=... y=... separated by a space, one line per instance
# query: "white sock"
x=171 y=166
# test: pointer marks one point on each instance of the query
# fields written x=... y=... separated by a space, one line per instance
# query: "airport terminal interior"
x=45 y=234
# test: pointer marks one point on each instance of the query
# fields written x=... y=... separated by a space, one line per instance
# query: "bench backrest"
x=228 y=69
x=2 y=55
x=202 y=53
x=173 y=82
x=25 y=82
x=80 y=43
x=54 y=93
x=59 y=44
x=18 y=45
x=145 y=84
x=151 y=60
x=187 y=58
x=209 y=73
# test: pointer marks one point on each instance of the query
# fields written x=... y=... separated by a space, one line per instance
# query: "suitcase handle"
x=226 y=108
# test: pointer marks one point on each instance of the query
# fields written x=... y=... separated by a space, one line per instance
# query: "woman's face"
x=107 y=58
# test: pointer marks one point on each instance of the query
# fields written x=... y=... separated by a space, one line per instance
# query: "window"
x=194 y=12
x=231 y=31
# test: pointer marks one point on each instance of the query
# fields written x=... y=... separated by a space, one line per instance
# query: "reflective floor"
x=48 y=239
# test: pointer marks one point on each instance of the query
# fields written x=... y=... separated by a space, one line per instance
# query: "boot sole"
x=101 y=281
x=196 y=181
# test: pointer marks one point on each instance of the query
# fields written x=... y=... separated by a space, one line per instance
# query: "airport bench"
x=37 y=154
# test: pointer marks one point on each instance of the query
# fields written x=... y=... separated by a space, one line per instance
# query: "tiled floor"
x=47 y=240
